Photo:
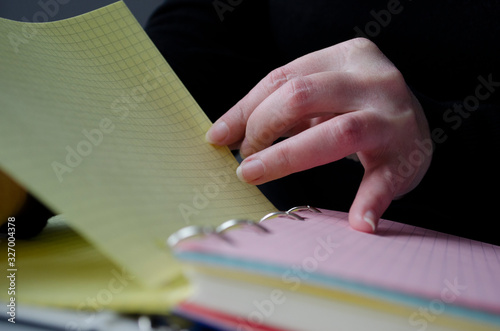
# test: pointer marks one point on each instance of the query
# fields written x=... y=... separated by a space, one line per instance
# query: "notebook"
x=307 y=269
x=98 y=127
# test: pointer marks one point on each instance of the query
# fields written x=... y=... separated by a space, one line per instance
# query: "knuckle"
x=240 y=109
x=347 y=131
x=393 y=78
x=261 y=141
x=284 y=159
x=369 y=60
x=297 y=93
x=260 y=137
x=394 y=86
x=363 y=43
x=277 y=78
x=294 y=96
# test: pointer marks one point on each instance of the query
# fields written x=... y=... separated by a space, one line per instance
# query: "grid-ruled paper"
x=58 y=268
x=399 y=259
x=96 y=124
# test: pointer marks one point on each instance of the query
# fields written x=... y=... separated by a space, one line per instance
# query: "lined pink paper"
x=399 y=257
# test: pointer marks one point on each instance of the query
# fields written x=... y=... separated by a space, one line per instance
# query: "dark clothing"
x=448 y=52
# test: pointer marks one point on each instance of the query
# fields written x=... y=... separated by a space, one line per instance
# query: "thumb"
x=374 y=195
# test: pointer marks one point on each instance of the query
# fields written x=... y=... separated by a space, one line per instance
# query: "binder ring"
x=300 y=208
x=234 y=222
x=279 y=213
x=188 y=232
x=196 y=230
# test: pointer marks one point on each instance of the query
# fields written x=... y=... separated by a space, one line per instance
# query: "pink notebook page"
x=399 y=257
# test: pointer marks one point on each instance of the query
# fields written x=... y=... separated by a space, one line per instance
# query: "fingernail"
x=250 y=171
x=217 y=133
x=369 y=218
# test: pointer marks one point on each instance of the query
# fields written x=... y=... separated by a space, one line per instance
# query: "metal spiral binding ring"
x=291 y=213
x=188 y=232
x=281 y=213
x=232 y=223
x=195 y=230
x=301 y=208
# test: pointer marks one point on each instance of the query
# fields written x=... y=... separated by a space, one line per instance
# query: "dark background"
x=53 y=10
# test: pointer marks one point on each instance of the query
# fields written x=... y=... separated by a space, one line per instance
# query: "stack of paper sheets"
x=96 y=124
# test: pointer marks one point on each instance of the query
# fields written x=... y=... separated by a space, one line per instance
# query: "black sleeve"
x=219 y=51
x=458 y=194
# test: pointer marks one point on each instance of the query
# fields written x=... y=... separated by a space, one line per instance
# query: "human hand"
x=345 y=99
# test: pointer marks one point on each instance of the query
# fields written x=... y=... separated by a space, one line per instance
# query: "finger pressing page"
x=319 y=94
x=324 y=143
x=374 y=196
